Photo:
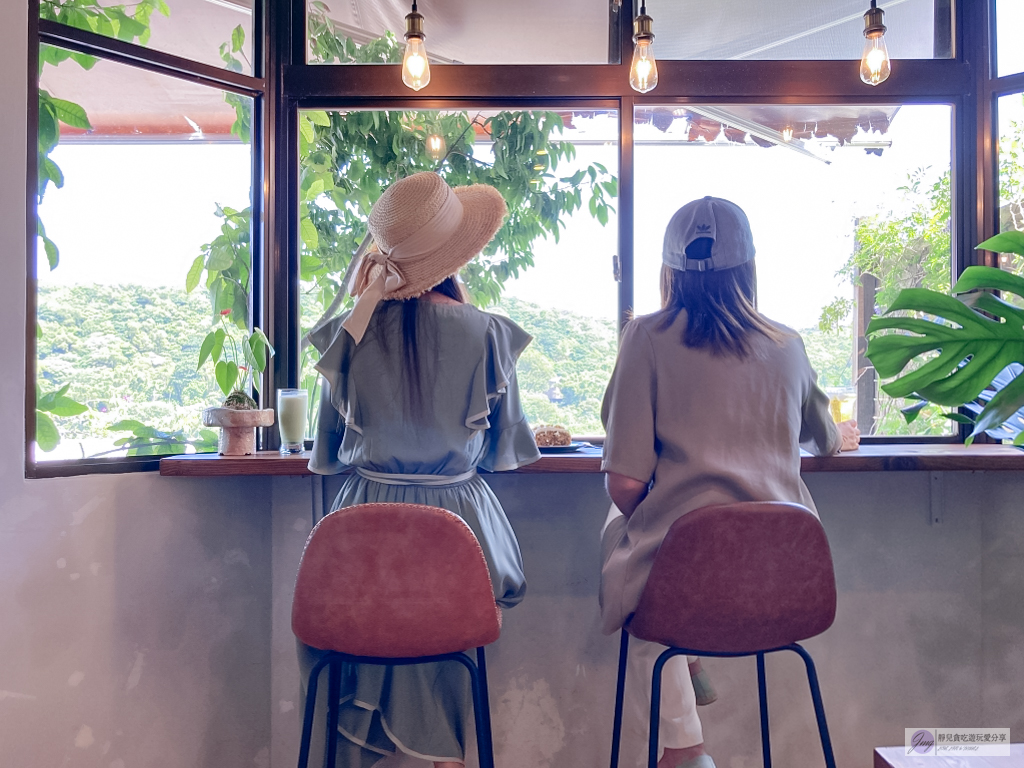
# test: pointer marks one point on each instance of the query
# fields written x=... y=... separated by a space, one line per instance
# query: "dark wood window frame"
x=966 y=82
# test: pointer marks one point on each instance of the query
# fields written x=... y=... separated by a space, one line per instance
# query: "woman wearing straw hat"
x=419 y=391
x=709 y=403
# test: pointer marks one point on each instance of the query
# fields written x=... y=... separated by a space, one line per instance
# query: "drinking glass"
x=291 y=419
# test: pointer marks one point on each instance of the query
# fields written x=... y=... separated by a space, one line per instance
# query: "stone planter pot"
x=237 y=428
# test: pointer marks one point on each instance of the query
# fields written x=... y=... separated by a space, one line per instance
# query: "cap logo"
x=703 y=229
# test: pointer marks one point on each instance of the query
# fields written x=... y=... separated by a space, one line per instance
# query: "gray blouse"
x=472 y=416
x=702 y=429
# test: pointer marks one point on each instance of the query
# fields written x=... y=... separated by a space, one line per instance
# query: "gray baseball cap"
x=723 y=222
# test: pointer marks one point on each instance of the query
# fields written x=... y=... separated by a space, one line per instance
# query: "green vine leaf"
x=47 y=436
x=71 y=114
x=195 y=272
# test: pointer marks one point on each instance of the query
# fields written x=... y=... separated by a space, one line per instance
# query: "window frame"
x=924 y=81
x=283 y=83
x=255 y=86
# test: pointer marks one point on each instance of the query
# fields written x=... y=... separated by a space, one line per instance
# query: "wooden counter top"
x=870 y=458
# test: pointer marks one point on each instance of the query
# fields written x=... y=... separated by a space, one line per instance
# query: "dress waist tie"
x=394 y=478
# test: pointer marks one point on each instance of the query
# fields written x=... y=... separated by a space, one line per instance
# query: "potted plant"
x=961 y=350
x=236 y=363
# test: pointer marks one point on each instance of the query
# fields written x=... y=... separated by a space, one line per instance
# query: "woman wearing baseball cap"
x=419 y=389
x=709 y=403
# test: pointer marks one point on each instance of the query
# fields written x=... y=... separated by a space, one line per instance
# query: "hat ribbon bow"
x=428 y=238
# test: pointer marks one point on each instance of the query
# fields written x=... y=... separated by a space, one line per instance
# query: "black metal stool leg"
x=762 y=694
x=307 y=720
x=485 y=705
x=620 y=689
x=333 y=705
x=819 y=706
x=480 y=712
x=655 y=724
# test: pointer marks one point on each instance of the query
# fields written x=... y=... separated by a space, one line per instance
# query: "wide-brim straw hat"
x=407 y=207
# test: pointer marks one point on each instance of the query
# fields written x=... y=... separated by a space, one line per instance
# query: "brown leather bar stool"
x=394 y=584
x=740 y=579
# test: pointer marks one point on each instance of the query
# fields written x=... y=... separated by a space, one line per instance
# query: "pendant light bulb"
x=643 y=73
x=415 y=66
x=436 y=146
x=787 y=134
x=875 y=66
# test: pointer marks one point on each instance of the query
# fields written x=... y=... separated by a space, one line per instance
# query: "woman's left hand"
x=851 y=435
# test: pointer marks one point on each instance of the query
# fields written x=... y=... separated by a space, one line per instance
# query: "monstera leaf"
x=1013 y=427
x=964 y=343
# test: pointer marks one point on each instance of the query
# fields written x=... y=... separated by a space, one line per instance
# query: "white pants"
x=680 y=725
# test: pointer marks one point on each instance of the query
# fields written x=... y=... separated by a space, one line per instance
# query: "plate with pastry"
x=554 y=438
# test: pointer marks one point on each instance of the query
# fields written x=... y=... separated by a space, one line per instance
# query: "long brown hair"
x=721 y=305
x=413 y=367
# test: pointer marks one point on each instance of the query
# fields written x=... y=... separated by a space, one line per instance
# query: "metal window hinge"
x=616 y=269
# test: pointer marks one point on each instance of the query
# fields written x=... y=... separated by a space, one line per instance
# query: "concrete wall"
x=928 y=628
x=134 y=610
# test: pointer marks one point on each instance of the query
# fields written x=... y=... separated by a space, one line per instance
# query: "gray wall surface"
x=134 y=610
x=144 y=621
x=928 y=631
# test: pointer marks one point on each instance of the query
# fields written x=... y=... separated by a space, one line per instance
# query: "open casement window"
x=551 y=266
x=218 y=34
x=143 y=242
x=848 y=205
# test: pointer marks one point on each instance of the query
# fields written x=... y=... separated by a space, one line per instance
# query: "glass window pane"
x=152 y=198
x=849 y=211
x=215 y=32
x=551 y=265
x=828 y=29
x=461 y=31
x=1011 y=173
x=1009 y=50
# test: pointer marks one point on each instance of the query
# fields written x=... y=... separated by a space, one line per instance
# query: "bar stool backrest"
x=394 y=581
x=739 y=578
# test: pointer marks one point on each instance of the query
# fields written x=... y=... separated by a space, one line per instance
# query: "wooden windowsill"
x=870 y=458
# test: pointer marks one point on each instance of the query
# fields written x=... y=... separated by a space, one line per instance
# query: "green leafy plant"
x=237 y=356
x=947 y=350
x=55 y=403
x=144 y=440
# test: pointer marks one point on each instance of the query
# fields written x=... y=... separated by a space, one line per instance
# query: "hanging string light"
x=436 y=146
x=415 y=67
x=643 y=73
x=874 y=64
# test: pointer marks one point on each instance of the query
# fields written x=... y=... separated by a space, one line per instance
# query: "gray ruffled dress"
x=471 y=418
